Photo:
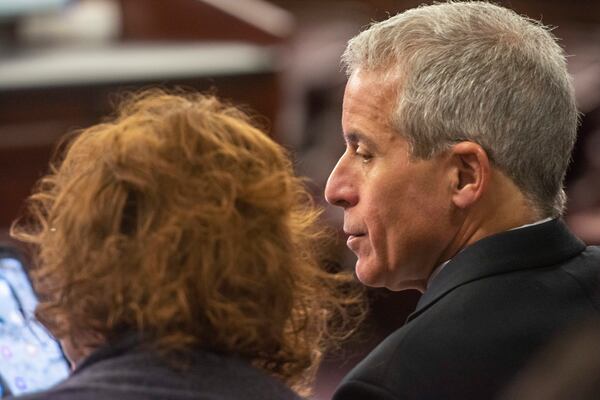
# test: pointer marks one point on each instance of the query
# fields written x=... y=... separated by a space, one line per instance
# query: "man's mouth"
x=353 y=238
x=352 y=235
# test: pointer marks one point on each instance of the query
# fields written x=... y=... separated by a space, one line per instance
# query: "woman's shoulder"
x=144 y=375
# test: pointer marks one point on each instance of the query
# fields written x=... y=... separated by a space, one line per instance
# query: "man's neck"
x=504 y=207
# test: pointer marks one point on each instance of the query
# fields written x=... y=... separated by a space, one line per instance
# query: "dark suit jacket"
x=482 y=318
x=124 y=372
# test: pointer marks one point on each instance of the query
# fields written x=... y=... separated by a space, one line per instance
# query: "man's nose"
x=341 y=189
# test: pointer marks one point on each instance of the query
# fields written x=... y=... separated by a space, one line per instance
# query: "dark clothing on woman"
x=126 y=372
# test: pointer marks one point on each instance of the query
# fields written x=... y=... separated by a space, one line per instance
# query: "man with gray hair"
x=459 y=121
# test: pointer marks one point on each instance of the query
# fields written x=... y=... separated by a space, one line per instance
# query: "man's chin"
x=373 y=276
x=368 y=275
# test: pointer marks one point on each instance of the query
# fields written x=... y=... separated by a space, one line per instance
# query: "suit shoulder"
x=475 y=337
x=359 y=390
x=375 y=377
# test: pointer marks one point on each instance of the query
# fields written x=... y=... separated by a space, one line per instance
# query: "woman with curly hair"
x=178 y=256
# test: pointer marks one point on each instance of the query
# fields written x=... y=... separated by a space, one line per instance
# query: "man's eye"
x=366 y=157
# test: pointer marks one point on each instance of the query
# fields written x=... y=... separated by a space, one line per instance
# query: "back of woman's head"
x=180 y=221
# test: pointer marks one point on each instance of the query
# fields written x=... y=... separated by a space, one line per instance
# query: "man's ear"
x=472 y=169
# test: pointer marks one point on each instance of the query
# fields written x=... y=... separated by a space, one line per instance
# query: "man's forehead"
x=368 y=99
x=386 y=85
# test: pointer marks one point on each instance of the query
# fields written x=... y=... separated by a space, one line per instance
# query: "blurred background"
x=65 y=63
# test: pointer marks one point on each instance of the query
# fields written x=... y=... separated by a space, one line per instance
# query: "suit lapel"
x=536 y=246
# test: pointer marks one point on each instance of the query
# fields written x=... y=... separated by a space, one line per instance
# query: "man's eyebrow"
x=357 y=137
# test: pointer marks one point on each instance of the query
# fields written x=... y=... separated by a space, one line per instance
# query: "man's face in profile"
x=395 y=207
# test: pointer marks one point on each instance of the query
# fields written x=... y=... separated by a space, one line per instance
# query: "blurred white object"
x=14 y=8
x=82 y=22
x=258 y=13
x=63 y=66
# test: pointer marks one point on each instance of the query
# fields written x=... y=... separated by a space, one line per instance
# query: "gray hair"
x=479 y=72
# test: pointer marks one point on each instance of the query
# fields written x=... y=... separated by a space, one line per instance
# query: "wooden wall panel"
x=33 y=120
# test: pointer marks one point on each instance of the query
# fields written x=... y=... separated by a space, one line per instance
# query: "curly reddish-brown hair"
x=181 y=221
